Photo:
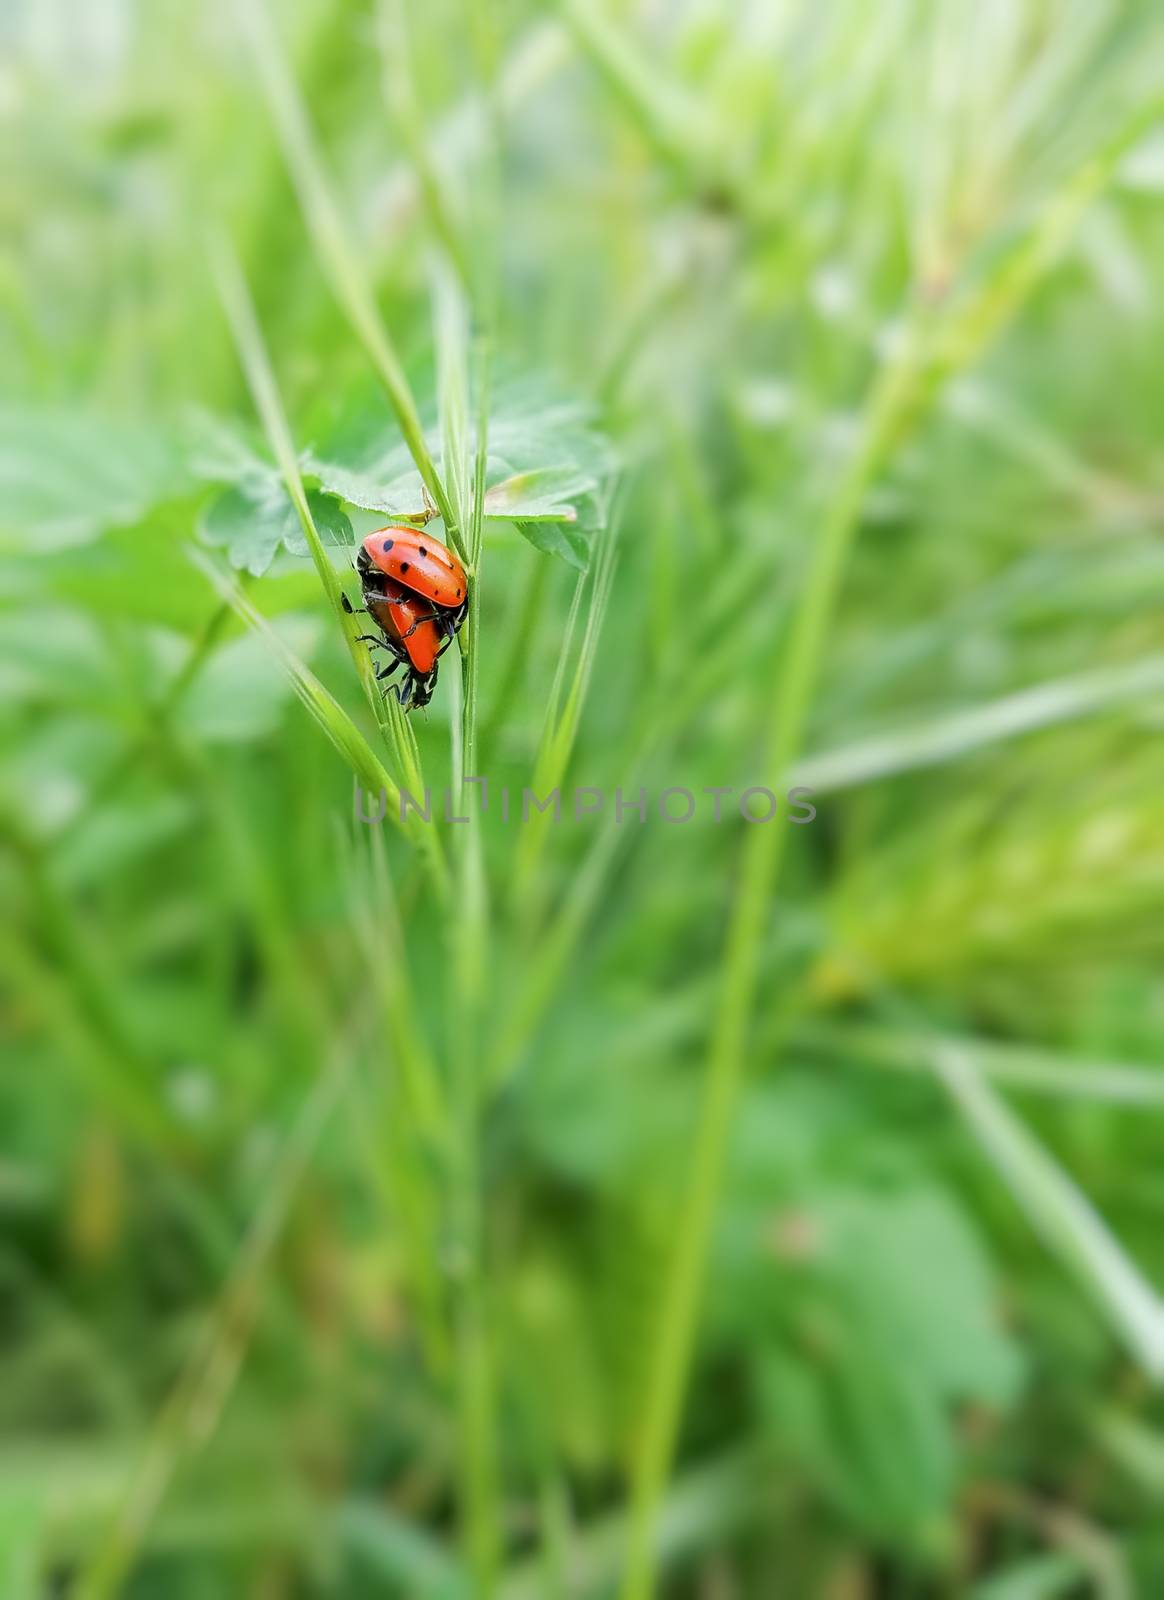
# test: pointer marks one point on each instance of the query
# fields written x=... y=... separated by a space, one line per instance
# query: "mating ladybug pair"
x=416 y=593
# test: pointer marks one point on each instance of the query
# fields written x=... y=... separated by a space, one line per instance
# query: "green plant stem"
x=759 y=871
x=394 y=36
x=674 y=124
x=366 y=767
x=933 y=349
x=240 y=313
x=336 y=255
x=244 y=326
x=475 y=1367
x=518 y=632
x=563 y=715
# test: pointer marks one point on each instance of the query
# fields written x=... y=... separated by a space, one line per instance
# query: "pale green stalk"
x=475 y=1367
x=1061 y=1213
x=517 y=637
x=960 y=733
x=334 y=249
x=366 y=767
x=563 y=715
x=395 y=40
x=404 y=1133
x=264 y=389
x=674 y=123
x=927 y=356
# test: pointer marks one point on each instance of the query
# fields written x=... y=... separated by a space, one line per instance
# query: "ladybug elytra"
x=417 y=594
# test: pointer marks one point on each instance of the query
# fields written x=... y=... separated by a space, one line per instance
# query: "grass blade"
x=260 y=376
x=329 y=235
x=1058 y=1211
x=366 y=767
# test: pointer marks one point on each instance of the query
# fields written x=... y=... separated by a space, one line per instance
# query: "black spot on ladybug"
x=423 y=551
x=387 y=545
x=404 y=566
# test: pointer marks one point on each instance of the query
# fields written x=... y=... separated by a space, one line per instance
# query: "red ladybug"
x=416 y=592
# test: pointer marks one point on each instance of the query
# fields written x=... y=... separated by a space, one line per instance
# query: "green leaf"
x=558 y=539
x=65 y=477
x=393 y=488
x=872 y=1315
x=242 y=693
x=117 y=837
x=547 y=469
x=543 y=494
x=253 y=520
x=388 y=1547
x=22 y=1519
x=1050 y=1575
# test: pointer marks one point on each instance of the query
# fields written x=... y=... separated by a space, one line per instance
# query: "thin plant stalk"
x=758 y=873
x=931 y=351
x=240 y=313
x=476 y=1397
x=336 y=254
x=563 y=714
x=366 y=767
x=518 y=636
x=395 y=40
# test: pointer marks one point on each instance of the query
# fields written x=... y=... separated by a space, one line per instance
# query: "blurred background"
x=544 y=1210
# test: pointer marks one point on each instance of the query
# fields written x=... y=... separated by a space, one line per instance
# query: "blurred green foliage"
x=342 y=1169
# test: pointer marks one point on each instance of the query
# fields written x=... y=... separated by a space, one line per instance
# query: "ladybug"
x=416 y=592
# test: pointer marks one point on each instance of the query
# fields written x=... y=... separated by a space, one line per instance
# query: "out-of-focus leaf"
x=223 y=450
x=47 y=654
x=22 y=1514
x=116 y=837
x=890 y=1325
x=399 y=1552
x=1047 y=1576
x=873 y=1316
x=66 y=476
x=241 y=693
x=1137 y=1448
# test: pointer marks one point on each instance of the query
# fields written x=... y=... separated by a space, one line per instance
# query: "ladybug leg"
x=386 y=672
x=449 y=623
x=370 y=638
x=432 y=617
